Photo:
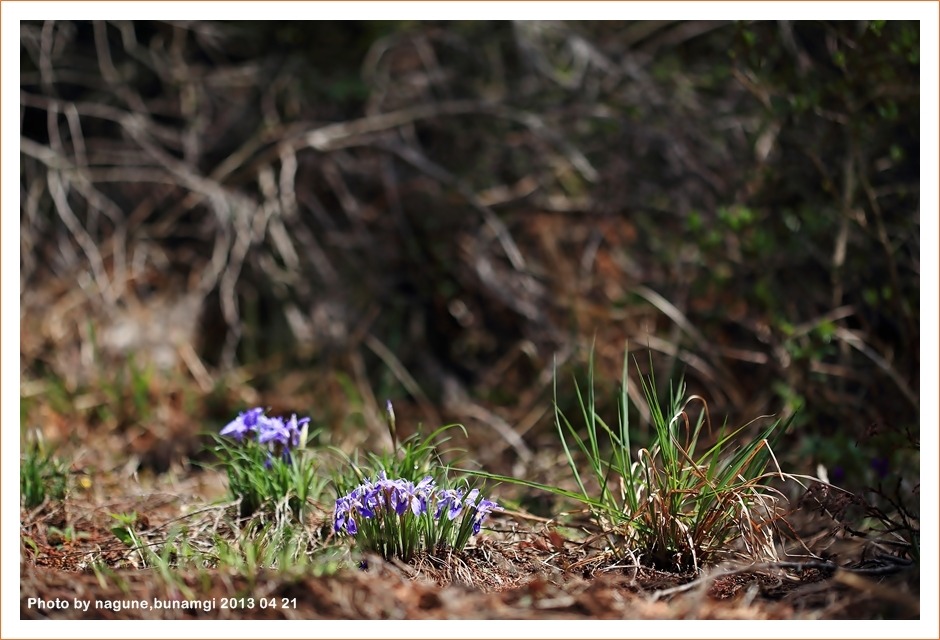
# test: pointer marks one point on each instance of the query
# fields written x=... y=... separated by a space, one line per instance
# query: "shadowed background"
x=320 y=216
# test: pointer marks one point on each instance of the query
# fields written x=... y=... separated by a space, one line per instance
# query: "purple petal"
x=244 y=423
x=273 y=430
x=252 y=416
x=235 y=428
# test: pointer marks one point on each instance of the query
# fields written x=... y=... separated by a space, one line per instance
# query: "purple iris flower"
x=295 y=427
x=421 y=495
x=398 y=497
x=406 y=495
x=373 y=497
x=341 y=515
x=280 y=435
x=246 y=422
x=482 y=509
x=471 y=498
x=274 y=430
x=449 y=500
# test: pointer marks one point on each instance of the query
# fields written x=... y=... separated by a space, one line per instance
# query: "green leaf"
x=123 y=534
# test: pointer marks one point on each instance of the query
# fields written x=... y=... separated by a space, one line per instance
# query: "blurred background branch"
x=331 y=214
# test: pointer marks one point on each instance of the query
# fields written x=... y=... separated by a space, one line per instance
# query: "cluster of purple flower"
x=282 y=435
x=372 y=498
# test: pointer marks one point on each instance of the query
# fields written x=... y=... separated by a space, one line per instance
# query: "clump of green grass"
x=42 y=475
x=410 y=459
x=187 y=557
x=276 y=545
x=672 y=504
x=268 y=463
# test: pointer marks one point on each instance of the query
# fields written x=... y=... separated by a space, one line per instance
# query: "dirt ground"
x=520 y=568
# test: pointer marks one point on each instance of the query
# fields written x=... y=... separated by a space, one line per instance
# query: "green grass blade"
x=558 y=491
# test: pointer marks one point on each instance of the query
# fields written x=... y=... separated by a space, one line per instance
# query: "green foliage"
x=676 y=503
x=264 y=482
x=835 y=130
x=58 y=536
x=124 y=390
x=42 y=475
x=126 y=531
x=277 y=545
x=412 y=459
x=280 y=544
x=736 y=218
x=270 y=476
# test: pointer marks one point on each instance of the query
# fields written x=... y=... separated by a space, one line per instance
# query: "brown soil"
x=519 y=569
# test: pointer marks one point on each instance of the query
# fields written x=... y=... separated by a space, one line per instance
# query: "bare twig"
x=855 y=341
x=895 y=566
